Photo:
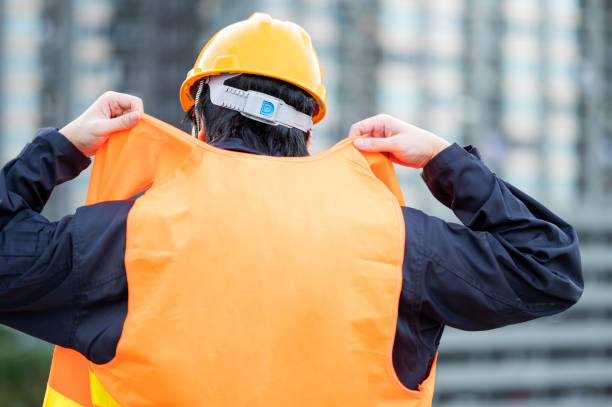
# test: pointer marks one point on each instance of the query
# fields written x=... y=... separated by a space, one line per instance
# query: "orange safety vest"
x=253 y=280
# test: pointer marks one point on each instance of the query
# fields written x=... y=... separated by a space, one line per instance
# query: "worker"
x=255 y=275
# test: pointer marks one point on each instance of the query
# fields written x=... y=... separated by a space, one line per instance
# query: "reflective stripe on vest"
x=99 y=396
x=55 y=399
x=282 y=289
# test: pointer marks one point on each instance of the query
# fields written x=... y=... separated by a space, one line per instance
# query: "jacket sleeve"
x=63 y=282
x=512 y=260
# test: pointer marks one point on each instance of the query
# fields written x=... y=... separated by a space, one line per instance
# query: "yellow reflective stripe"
x=99 y=395
x=54 y=399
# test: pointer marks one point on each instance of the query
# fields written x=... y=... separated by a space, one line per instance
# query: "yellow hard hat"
x=262 y=46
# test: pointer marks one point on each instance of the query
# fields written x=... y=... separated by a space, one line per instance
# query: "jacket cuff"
x=438 y=173
x=69 y=160
x=459 y=179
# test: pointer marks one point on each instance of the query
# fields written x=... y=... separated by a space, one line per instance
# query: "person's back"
x=227 y=269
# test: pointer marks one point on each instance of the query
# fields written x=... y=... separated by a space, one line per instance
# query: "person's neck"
x=235 y=144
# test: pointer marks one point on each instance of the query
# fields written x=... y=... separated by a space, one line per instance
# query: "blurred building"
x=21 y=67
x=154 y=44
x=527 y=81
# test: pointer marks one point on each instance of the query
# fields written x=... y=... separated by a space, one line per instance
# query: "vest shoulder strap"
x=127 y=164
x=382 y=167
x=138 y=153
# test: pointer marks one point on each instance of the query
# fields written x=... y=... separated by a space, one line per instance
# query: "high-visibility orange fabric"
x=254 y=280
x=69 y=377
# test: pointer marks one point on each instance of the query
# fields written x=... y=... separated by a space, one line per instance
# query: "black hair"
x=222 y=124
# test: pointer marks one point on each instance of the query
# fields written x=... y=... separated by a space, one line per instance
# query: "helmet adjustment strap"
x=255 y=105
x=198 y=115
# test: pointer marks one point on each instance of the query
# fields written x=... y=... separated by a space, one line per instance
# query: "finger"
x=123 y=122
x=375 y=144
x=374 y=126
x=120 y=103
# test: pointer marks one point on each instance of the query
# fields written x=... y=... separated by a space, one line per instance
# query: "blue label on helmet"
x=267 y=108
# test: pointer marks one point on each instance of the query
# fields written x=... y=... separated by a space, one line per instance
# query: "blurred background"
x=527 y=81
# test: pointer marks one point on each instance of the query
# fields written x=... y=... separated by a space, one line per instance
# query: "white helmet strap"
x=256 y=105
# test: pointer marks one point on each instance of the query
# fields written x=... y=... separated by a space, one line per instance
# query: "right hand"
x=405 y=144
x=110 y=113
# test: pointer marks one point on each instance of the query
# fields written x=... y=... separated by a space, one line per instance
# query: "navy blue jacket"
x=512 y=260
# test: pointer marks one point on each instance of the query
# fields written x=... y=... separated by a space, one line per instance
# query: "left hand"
x=112 y=112
x=404 y=143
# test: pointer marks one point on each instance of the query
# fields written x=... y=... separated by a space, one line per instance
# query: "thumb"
x=123 y=122
x=375 y=144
